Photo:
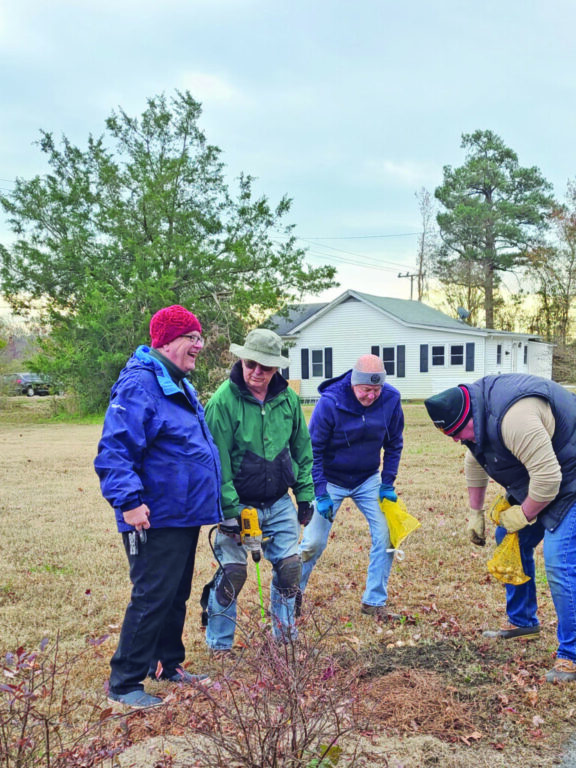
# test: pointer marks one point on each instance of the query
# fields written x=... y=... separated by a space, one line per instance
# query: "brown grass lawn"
x=432 y=691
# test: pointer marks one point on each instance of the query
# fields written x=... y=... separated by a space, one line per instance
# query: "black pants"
x=161 y=576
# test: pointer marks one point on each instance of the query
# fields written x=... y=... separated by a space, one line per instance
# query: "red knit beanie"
x=171 y=322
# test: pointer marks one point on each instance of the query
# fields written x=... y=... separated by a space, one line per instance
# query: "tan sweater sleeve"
x=474 y=473
x=527 y=429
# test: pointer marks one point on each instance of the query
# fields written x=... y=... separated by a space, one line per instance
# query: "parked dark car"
x=26 y=384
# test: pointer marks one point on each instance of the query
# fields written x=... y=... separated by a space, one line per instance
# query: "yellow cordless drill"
x=251 y=534
x=251 y=537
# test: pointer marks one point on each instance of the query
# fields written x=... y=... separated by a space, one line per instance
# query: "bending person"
x=521 y=431
x=358 y=415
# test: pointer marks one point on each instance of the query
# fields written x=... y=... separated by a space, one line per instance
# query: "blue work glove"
x=305 y=512
x=387 y=492
x=325 y=507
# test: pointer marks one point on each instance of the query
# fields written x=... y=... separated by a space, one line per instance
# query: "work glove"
x=325 y=507
x=305 y=512
x=513 y=519
x=387 y=492
x=231 y=527
x=476 y=527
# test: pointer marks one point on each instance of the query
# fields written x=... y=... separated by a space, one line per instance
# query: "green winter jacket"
x=264 y=449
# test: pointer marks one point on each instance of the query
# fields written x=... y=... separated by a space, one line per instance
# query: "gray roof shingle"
x=296 y=315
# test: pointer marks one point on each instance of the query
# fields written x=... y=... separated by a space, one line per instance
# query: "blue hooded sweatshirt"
x=348 y=437
x=156 y=449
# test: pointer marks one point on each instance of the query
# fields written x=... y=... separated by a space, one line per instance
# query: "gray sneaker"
x=135 y=699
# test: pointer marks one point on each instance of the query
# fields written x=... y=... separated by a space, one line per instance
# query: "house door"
x=514 y=356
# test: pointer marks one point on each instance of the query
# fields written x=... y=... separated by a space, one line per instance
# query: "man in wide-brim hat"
x=259 y=428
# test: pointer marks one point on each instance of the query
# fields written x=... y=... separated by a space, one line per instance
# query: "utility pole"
x=411 y=281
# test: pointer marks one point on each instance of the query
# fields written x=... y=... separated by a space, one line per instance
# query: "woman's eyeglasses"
x=251 y=364
x=198 y=340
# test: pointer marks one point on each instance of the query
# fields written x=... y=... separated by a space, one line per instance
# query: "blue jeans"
x=521 y=600
x=280 y=526
x=316 y=534
x=560 y=561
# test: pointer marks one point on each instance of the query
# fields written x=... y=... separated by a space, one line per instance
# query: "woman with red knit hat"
x=160 y=470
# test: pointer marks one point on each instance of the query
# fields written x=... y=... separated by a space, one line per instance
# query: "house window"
x=437 y=355
x=499 y=354
x=389 y=359
x=318 y=363
x=525 y=354
x=457 y=354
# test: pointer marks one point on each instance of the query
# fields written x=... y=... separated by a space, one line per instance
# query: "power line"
x=359 y=237
x=331 y=258
x=357 y=255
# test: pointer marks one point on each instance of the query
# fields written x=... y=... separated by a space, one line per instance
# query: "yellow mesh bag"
x=400 y=521
x=499 y=506
x=506 y=563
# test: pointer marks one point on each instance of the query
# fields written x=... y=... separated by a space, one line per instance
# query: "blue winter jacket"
x=156 y=449
x=348 y=438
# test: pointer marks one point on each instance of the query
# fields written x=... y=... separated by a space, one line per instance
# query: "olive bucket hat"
x=262 y=346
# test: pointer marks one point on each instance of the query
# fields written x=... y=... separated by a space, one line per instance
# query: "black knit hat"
x=450 y=410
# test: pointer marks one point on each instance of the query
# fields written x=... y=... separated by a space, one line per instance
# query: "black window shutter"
x=328 y=362
x=285 y=371
x=305 y=364
x=401 y=360
x=423 y=358
x=375 y=351
x=470 y=356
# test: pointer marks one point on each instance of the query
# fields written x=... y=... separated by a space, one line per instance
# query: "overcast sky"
x=347 y=106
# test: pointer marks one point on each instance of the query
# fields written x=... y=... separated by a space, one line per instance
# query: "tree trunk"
x=489 y=292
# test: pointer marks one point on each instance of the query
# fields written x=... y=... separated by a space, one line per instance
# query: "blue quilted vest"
x=491 y=398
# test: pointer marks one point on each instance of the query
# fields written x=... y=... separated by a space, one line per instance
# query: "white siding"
x=540 y=359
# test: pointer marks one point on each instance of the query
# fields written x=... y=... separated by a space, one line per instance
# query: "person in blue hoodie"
x=160 y=470
x=358 y=415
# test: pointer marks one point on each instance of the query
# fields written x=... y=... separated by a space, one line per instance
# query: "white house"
x=424 y=350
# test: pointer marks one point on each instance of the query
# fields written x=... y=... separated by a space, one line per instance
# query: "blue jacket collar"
x=165 y=381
